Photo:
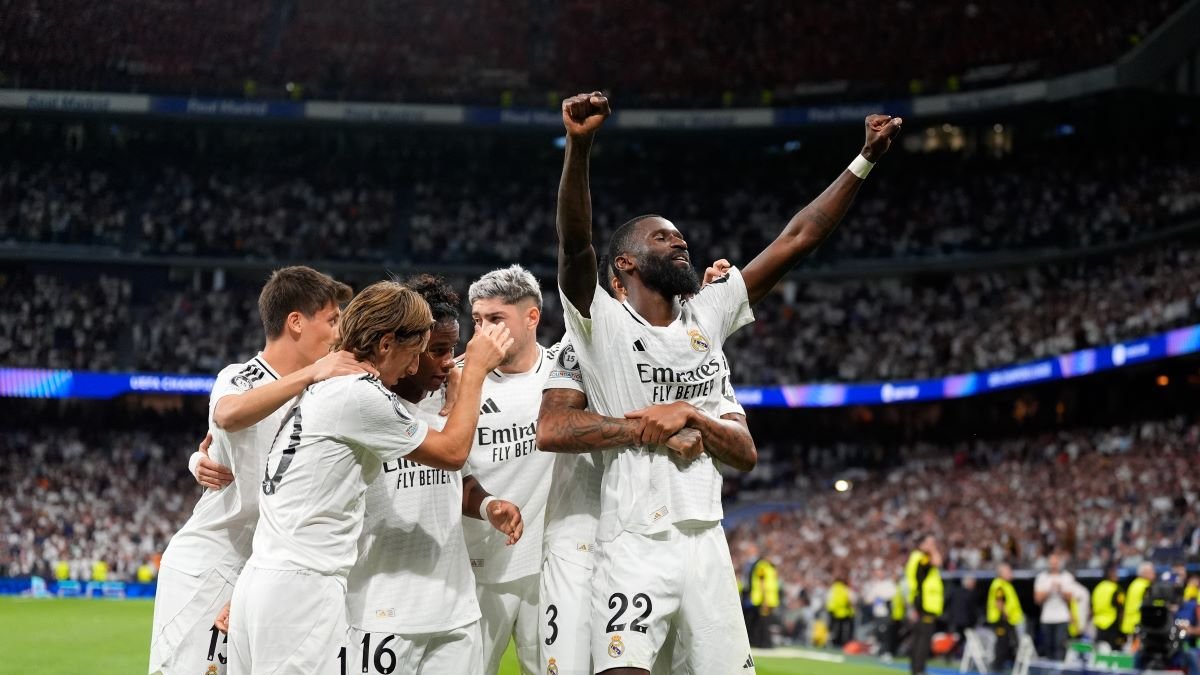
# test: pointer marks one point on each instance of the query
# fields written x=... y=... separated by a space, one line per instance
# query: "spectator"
x=962 y=610
x=1052 y=590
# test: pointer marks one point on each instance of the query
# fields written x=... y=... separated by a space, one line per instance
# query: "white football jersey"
x=628 y=364
x=506 y=461
x=332 y=445
x=220 y=531
x=413 y=575
x=573 y=508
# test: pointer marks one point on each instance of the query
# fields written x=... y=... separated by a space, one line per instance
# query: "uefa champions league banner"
x=35 y=383
x=1065 y=366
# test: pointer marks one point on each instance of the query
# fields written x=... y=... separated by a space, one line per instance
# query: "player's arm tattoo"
x=801 y=236
x=565 y=426
x=576 y=255
x=727 y=439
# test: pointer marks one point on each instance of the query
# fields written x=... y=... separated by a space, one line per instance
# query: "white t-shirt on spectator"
x=1054 y=607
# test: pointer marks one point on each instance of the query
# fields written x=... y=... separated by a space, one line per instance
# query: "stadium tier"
x=488 y=51
x=412 y=203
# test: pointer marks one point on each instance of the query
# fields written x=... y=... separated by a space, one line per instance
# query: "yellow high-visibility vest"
x=839 y=604
x=99 y=571
x=933 y=591
x=1106 y=604
x=898 y=603
x=62 y=570
x=1075 y=628
x=1133 y=605
x=764 y=585
x=1002 y=592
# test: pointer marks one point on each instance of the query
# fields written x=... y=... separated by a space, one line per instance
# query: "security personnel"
x=1005 y=616
x=896 y=625
x=1107 y=601
x=926 y=596
x=99 y=570
x=764 y=598
x=1134 y=597
x=841 y=611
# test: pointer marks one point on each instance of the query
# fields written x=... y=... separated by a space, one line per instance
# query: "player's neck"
x=283 y=360
x=409 y=391
x=525 y=361
x=653 y=306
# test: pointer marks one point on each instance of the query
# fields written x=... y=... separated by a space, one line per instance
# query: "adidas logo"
x=639 y=346
x=749 y=662
x=489 y=406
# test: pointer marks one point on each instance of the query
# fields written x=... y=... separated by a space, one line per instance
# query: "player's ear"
x=385 y=343
x=295 y=322
x=533 y=316
x=624 y=262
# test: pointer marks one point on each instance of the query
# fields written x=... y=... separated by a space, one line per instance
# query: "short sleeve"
x=565 y=372
x=582 y=327
x=230 y=381
x=726 y=298
x=1041 y=584
x=376 y=420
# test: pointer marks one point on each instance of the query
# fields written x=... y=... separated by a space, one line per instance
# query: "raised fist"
x=881 y=129
x=584 y=113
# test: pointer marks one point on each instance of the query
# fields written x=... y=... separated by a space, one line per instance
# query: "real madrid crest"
x=551 y=667
x=699 y=342
x=212 y=669
x=615 y=647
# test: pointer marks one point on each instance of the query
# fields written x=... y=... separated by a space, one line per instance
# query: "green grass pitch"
x=112 y=637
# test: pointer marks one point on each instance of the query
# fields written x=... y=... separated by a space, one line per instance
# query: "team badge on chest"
x=699 y=342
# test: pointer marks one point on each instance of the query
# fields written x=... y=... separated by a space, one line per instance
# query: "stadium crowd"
x=927 y=208
x=487 y=51
x=853 y=330
x=1099 y=496
x=79 y=496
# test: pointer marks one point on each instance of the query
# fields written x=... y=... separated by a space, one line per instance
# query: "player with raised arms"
x=566 y=426
x=300 y=309
x=288 y=611
x=411 y=599
x=662 y=565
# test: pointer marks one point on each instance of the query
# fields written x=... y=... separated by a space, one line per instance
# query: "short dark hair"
x=622 y=239
x=297 y=289
x=443 y=300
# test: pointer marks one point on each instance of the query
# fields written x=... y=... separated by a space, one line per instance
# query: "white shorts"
x=565 y=616
x=184 y=640
x=287 y=622
x=679 y=582
x=453 y=651
x=508 y=610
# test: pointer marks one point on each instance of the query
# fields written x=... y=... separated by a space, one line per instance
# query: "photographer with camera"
x=1169 y=627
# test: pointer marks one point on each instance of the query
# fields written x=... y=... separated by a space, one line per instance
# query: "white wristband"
x=483 y=506
x=193 y=463
x=860 y=167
